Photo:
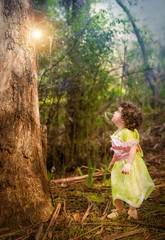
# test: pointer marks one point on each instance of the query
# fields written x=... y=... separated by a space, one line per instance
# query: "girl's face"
x=117 y=117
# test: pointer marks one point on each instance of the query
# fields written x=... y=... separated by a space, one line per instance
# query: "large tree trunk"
x=24 y=189
x=148 y=74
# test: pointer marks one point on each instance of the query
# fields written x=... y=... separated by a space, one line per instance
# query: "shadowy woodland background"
x=88 y=60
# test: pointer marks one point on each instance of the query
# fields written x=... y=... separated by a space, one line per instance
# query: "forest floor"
x=83 y=214
x=80 y=211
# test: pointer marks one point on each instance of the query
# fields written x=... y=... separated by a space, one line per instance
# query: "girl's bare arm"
x=127 y=167
x=112 y=163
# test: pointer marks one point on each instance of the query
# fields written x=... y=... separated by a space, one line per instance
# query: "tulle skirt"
x=134 y=187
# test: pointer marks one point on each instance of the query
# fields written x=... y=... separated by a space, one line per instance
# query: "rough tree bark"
x=148 y=74
x=24 y=189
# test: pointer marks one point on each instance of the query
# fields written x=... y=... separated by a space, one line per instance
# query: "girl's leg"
x=118 y=205
x=119 y=209
x=132 y=212
x=132 y=208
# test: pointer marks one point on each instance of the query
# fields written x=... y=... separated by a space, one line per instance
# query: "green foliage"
x=94 y=197
x=95 y=61
x=80 y=172
x=91 y=170
x=104 y=170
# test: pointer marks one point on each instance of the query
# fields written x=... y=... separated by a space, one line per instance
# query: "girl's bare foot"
x=132 y=214
x=115 y=213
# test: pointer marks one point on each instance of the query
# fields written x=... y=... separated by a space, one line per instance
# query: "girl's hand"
x=126 y=169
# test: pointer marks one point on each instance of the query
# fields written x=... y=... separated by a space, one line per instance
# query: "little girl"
x=130 y=179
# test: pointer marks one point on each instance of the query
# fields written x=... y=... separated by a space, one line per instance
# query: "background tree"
x=24 y=193
x=149 y=73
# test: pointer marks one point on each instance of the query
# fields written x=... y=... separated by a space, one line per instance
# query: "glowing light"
x=37 y=34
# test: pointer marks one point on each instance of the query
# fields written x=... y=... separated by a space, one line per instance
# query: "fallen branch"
x=65 y=209
x=122 y=235
x=38 y=234
x=17 y=232
x=157 y=174
x=4 y=229
x=53 y=219
x=65 y=180
x=105 y=211
x=87 y=232
x=157 y=226
x=23 y=237
x=107 y=207
x=105 y=223
x=154 y=157
x=98 y=233
x=160 y=186
x=87 y=211
x=98 y=170
x=156 y=211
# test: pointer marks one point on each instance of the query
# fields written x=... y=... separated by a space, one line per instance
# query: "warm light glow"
x=37 y=34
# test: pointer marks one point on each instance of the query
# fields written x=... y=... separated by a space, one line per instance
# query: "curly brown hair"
x=131 y=115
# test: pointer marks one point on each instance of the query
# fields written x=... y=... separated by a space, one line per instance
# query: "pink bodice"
x=121 y=149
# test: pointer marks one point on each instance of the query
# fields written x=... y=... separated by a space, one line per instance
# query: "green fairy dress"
x=136 y=186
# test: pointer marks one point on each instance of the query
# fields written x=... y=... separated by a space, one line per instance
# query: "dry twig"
x=160 y=186
x=53 y=219
x=122 y=235
x=157 y=226
x=65 y=208
x=71 y=179
x=87 y=211
x=38 y=234
x=97 y=170
x=157 y=174
x=17 y=232
x=4 y=229
x=106 y=210
x=87 y=232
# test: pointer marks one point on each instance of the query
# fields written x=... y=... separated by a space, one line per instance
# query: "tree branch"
x=143 y=49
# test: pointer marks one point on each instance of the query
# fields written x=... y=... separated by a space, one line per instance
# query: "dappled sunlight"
x=36 y=34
